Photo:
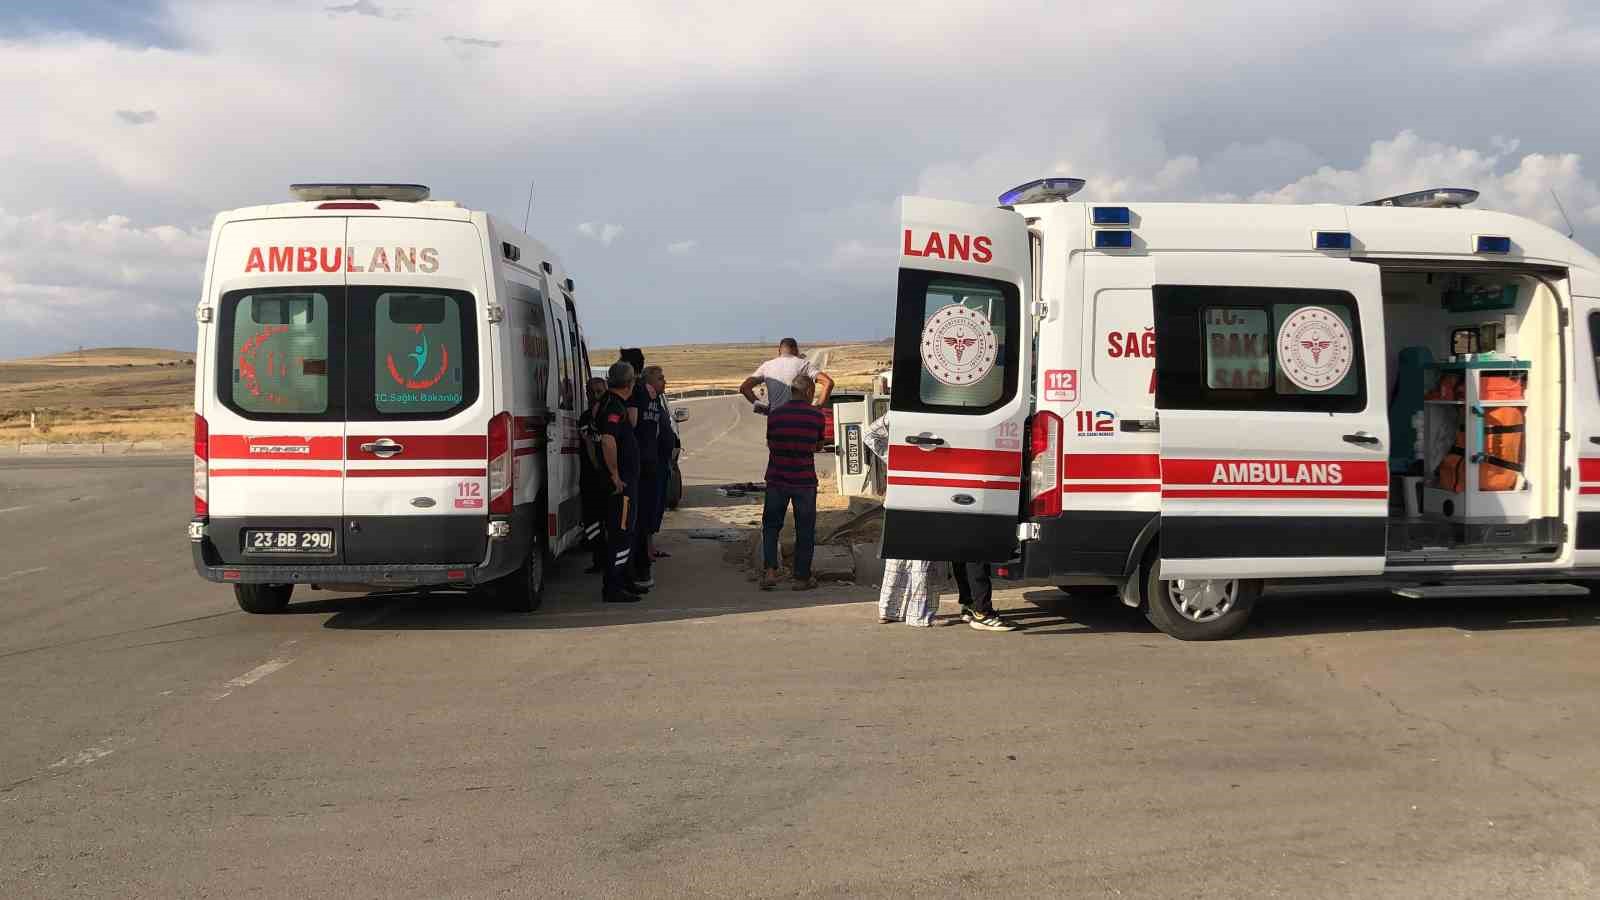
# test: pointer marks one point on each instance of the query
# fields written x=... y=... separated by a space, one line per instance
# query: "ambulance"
x=1186 y=401
x=386 y=397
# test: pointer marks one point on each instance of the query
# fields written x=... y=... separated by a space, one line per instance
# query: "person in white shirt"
x=779 y=372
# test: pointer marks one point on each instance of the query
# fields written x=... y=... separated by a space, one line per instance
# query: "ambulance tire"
x=1161 y=608
x=523 y=590
x=263 y=599
x=674 y=487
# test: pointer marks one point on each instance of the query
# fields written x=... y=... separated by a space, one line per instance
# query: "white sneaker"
x=990 y=622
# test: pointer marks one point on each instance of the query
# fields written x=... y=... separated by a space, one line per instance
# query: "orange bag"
x=1501 y=387
x=1503 y=430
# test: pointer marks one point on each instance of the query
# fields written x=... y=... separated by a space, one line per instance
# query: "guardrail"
x=700 y=392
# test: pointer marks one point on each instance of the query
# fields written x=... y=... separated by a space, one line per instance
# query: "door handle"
x=925 y=440
x=382 y=447
x=1361 y=437
x=1594 y=440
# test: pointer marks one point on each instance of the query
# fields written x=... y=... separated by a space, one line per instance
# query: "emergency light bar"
x=1043 y=190
x=408 y=193
x=1432 y=198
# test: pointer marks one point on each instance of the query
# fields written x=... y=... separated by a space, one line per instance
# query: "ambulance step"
x=1490 y=591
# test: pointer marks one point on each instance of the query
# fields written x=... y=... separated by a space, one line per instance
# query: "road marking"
x=258 y=673
x=14 y=509
x=21 y=572
x=83 y=757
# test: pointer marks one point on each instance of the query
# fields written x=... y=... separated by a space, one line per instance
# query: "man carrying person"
x=779 y=372
x=645 y=404
x=794 y=432
x=593 y=484
x=619 y=450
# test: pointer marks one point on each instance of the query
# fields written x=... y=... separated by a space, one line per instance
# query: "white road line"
x=22 y=572
x=258 y=673
x=14 y=509
x=83 y=757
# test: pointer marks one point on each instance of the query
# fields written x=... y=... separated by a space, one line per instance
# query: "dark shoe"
x=805 y=584
x=622 y=597
x=645 y=582
x=637 y=588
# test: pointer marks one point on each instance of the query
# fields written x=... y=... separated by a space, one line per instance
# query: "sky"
x=712 y=171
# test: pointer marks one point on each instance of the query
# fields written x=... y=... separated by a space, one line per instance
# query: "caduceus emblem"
x=1316 y=348
x=960 y=345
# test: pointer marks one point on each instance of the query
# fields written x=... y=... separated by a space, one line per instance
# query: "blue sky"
x=718 y=172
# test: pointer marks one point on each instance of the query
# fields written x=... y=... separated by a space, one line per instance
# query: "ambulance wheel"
x=263 y=599
x=1198 y=609
x=674 y=487
x=523 y=590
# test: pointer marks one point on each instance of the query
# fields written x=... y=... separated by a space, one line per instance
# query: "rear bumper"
x=500 y=559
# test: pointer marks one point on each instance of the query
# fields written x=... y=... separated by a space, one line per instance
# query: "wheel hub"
x=1203 y=599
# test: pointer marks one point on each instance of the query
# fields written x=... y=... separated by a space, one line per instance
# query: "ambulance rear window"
x=278 y=363
x=420 y=362
x=954 y=343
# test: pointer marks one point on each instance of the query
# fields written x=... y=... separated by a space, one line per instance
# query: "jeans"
x=805 y=525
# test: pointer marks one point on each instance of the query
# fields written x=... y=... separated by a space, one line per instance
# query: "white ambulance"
x=1185 y=400
x=387 y=390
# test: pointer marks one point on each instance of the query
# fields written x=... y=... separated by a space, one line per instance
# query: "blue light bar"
x=1043 y=190
x=1112 y=215
x=1334 y=240
x=1488 y=243
x=1113 y=240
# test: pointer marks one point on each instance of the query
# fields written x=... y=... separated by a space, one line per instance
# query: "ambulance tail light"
x=502 y=477
x=1044 y=474
x=202 y=456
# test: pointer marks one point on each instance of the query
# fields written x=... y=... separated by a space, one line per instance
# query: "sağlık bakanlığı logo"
x=419 y=379
x=959 y=346
x=1315 y=351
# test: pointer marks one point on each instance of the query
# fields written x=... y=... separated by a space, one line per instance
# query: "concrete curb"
x=112 y=448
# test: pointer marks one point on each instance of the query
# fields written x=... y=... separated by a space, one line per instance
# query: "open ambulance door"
x=1272 y=398
x=960 y=396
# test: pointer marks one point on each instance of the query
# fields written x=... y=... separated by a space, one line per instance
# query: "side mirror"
x=680 y=415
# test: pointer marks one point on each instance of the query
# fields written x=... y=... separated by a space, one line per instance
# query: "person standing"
x=619 y=450
x=794 y=432
x=975 y=588
x=646 y=407
x=593 y=485
x=907 y=593
x=667 y=458
x=778 y=373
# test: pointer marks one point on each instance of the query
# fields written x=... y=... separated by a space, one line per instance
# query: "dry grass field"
x=726 y=365
x=134 y=393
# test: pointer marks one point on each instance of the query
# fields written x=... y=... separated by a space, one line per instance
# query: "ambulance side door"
x=1270 y=388
x=1586 y=337
x=960 y=397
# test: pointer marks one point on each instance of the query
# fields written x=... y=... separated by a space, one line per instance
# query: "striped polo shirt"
x=793 y=432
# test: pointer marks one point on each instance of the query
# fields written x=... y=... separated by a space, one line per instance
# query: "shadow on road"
x=1331 y=612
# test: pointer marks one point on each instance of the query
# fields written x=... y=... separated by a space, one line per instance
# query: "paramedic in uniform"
x=593 y=485
x=652 y=475
x=620 y=455
x=780 y=372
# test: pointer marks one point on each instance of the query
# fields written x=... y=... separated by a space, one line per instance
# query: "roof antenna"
x=1557 y=197
x=529 y=214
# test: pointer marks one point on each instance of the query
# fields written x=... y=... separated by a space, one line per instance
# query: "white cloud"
x=604 y=232
x=681 y=248
x=61 y=277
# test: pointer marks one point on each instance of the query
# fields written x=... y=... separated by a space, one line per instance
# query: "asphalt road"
x=718 y=740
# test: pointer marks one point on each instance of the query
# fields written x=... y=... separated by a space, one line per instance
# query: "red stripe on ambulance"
x=1112 y=465
x=239 y=446
x=956 y=461
x=1290 y=473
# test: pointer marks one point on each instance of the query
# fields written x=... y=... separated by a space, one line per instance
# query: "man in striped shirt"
x=794 y=432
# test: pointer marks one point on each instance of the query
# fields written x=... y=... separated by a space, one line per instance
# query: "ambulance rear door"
x=421 y=396
x=275 y=413
x=960 y=396
x=1272 y=399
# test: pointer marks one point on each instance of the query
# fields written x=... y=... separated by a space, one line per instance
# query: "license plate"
x=289 y=540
